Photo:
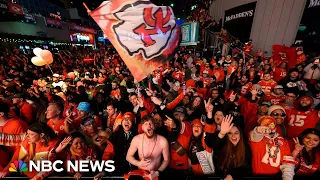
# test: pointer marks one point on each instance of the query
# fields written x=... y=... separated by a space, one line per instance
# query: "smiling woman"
x=233 y=154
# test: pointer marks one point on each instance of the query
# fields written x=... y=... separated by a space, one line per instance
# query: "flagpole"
x=50 y=68
x=85 y=5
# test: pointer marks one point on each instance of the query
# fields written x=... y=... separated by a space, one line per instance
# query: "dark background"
x=309 y=30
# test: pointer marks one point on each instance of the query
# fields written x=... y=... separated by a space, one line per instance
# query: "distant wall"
x=275 y=21
x=32 y=29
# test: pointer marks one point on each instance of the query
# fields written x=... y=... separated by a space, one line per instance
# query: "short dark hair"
x=146 y=118
x=4 y=107
x=114 y=104
x=132 y=94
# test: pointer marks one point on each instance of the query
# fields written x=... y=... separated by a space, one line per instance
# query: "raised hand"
x=208 y=105
x=263 y=130
x=140 y=102
x=170 y=122
x=298 y=147
x=64 y=144
x=226 y=124
x=156 y=100
x=254 y=91
x=232 y=96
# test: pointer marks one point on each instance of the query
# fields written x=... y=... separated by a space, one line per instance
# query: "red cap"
x=196 y=121
x=130 y=116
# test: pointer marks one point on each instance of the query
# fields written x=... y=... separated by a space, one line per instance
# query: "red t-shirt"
x=58 y=128
x=279 y=74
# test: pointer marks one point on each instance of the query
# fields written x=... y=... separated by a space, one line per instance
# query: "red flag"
x=15 y=8
x=284 y=54
x=145 y=35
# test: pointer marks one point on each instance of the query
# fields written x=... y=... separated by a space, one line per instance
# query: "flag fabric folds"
x=145 y=35
x=284 y=54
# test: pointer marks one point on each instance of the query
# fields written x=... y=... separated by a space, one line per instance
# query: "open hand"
x=254 y=91
x=64 y=144
x=226 y=125
x=232 y=96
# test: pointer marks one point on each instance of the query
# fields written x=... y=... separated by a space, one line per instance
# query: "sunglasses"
x=277 y=114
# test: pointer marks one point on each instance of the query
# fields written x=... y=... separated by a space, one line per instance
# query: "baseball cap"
x=267 y=103
x=130 y=116
x=56 y=75
x=278 y=87
x=19 y=95
x=84 y=106
x=181 y=110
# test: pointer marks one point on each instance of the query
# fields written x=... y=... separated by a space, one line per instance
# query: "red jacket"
x=181 y=162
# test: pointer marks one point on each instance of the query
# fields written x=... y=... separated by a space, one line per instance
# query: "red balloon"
x=72 y=75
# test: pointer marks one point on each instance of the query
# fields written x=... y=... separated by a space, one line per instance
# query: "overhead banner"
x=238 y=21
x=190 y=34
x=53 y=22
x=82 y=29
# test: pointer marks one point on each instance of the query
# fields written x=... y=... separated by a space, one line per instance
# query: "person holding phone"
x=312 y=74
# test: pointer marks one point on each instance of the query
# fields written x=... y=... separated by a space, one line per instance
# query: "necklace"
x=275 y=152
x=152 y=148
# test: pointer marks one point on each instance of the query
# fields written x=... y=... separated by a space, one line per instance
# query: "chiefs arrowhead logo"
x=148 y=33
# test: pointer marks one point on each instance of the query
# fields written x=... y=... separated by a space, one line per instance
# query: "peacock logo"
x=18 y=166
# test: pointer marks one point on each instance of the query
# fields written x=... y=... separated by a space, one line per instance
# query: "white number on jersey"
x=297 y=120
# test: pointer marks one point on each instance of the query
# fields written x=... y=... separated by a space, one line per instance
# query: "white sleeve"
x=287 y=171
x=255 y=136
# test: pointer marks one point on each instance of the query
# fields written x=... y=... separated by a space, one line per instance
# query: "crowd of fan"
x=250 y=116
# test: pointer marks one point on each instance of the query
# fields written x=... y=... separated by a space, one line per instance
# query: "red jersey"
x=245 y=88
x=177 y=75
x=247 y=48
x=275 y=99
x=298 y=121
x=308 y=169
x=180 y=162
x=279 y=74
x=58 y=128
x=267 y=86
x=262 y=163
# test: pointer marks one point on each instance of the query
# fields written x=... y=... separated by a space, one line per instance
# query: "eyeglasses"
x=277 y=114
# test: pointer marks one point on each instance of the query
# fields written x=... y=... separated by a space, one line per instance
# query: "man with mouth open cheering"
x=150 y=147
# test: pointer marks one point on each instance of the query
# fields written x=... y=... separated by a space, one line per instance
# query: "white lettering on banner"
x=77 y=166
x=240 y=15
x=314 y=3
